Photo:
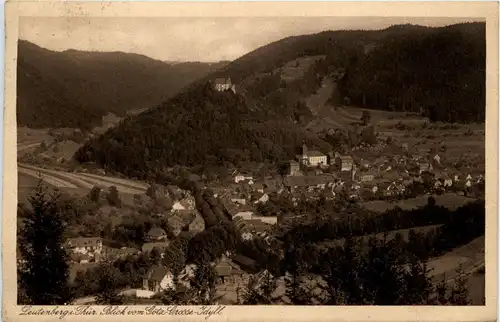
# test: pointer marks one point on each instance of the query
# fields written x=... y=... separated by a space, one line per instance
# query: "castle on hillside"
x=222 y=84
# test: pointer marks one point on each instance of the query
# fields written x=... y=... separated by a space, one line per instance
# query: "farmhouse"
x=157 y=279
x=88 y=246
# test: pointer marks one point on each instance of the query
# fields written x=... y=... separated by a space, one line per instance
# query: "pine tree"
x=460 y=292
x=259 y=290
x=44 y=277
x=441 y=289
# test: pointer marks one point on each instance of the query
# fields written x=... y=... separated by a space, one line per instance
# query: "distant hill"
x=264 y=121
x=75 y=88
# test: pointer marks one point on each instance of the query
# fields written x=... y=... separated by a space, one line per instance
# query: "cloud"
x=190 y=39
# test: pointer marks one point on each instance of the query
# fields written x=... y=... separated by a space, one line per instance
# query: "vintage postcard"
x=250 y=161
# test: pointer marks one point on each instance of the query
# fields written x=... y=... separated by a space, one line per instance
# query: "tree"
x=366 y=117
x=108 y=281
x=460 y=292
x=174 y=258
x=95 y=194
x=113 y=197
x=43 y=278
x=259 y=290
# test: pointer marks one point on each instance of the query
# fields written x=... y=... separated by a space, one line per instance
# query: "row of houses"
x=232 y=271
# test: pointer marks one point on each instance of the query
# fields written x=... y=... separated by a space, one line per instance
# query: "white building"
x=91 y=246
x=313 y=158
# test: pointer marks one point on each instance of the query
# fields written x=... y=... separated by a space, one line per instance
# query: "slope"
x=75 y=88
x=198 y=127
x=265 y=120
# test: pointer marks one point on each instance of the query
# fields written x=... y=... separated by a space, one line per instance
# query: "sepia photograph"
x=267 y=161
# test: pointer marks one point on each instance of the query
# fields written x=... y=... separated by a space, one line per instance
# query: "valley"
x=303 y=162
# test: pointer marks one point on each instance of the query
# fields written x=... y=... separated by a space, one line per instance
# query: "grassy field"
x=454 y=142
x=451 y=201
x=295 y=69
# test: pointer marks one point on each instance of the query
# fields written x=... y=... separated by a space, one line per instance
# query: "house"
x=148 y=247
x=178 y=206
x=367 y=177
x=221 y=84
x=183 y=204
x=425 y=167
x=346 y=163
x=156 y=234
x=158 y=279
x=293 y=168
x=246 y=215
x=228 y=272
x=271 y=220
x=437 y=159
x=263 y=199
x=240 y=201
x=313 y=158
x=90 y=246
x=245 y=263
x=306 y=181
x=365 y=164
x=448 y=182
x=239 y=177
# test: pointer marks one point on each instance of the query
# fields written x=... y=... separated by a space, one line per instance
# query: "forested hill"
x=75 y=88
x=436 y=71
x=400 y=68
x=200 y=127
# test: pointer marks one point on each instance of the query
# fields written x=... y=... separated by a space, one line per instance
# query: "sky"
x=191 y=39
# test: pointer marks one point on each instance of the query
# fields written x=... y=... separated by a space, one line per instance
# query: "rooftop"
x=315 y=153
x=306 y=181
x=157 y=273
x=156 y=232
x=147 y=247
x=84 y=241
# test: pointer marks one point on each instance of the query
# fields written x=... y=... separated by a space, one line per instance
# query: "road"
x=70 y=180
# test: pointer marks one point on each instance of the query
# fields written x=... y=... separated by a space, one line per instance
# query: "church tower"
x=304 y=149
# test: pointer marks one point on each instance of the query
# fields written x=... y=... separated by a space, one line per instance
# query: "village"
x=244 y=196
